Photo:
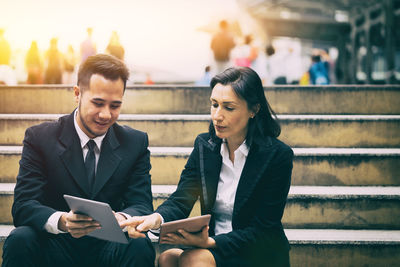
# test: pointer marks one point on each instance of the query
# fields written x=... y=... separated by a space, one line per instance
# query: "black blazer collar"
x=259 y=157
x=257 y=161
x=71 y=155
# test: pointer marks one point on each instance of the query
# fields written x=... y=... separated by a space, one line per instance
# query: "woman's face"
x=229 y=113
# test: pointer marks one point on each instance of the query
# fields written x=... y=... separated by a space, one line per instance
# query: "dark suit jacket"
x=52 y=165
x=260 y=197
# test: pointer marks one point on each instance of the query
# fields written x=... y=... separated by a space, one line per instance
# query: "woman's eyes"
x=215 y=105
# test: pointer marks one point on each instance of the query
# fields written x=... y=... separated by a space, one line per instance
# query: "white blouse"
x=228 y=182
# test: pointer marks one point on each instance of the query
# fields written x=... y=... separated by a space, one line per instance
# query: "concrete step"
x=307 y=206
x=323 y=247
x=312 y=166
x=297 y=130
x=341 y=207
x=345 y=248
x=343 y=99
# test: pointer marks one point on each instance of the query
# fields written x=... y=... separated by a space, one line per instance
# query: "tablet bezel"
x=191 y=225
x=101 y=212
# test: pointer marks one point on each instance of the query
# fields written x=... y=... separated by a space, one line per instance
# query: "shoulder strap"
x=203 y=178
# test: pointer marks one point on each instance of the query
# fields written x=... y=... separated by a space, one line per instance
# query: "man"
x=85 y=154
x=221 y=44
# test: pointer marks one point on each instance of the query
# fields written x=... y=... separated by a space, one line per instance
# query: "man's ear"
x=77 y=93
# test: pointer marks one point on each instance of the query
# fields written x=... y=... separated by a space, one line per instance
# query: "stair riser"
x=296 y=133
x=192 y=100
x=344 y=255
x=307 y=170
x=356 y=213
x=362 y=213
x=331 y=255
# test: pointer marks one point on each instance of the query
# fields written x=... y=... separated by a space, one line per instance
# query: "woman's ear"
x=256 y=109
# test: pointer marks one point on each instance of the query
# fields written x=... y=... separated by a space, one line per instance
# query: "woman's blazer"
x=260 y=197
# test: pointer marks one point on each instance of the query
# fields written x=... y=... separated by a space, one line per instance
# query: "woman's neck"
x=232 y=146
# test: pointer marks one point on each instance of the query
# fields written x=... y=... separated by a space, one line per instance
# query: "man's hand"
x=77 y=225
x=139 y=224
x=120 y=217
x=201 y=240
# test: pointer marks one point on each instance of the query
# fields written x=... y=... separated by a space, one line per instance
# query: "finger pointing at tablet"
x=139 y=224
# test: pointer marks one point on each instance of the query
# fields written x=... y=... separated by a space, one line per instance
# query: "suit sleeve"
x=181 y=202
x=138 y=196
x=29 y=190
x=272 y=197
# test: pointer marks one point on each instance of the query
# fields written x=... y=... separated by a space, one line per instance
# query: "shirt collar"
x=243 y=149
x=83 y=137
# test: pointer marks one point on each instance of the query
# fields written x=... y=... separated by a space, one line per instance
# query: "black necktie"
x=90 y=163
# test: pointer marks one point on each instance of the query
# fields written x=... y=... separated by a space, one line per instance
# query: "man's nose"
x=105 y=113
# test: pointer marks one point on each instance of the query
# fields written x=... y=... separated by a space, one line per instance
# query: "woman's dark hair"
x=247 y=85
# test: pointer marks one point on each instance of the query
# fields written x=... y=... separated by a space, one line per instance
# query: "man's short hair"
x=107 y=66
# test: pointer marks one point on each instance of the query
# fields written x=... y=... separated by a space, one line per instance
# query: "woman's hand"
x=137 y=225
x=201 y=239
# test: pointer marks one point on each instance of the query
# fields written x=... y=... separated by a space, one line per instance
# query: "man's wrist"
x=62 y=223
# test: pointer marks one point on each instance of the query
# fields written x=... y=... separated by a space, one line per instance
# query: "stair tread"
x=319 y=236
x=315 y=151
x=206 y=117
x=295 y=191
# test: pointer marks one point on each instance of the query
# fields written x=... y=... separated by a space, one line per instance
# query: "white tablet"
x=191 y=225
x=102 y=213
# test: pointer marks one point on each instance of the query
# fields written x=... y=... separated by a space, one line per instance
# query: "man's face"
x=99 y=105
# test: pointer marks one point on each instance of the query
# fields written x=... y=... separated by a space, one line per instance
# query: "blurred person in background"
x=5 y=49
x=221 y=44
x=149 y=80
x=246 y=53
x=319 y=72
x=115 y=47
x=70 y=61
x=206 y=78
x=53 y=63
x=7 y=74
x=330 y=64
x=88 y=46
x=34 y=65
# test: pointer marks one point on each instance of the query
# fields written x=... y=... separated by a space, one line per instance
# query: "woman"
x=241 y=173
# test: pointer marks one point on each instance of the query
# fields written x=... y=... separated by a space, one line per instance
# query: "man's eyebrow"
x=102 y=100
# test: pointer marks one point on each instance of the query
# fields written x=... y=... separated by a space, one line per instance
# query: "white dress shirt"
x=227 y=185
x=51 y=225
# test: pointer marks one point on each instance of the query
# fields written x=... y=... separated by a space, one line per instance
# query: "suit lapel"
x=257 y=161
x=108 y=161
x=212 y=166
x=71 y=153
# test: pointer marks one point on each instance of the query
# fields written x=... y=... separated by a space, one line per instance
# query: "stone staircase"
x=344 y=204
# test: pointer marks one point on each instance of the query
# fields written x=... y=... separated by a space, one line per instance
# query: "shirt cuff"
x=157 y=231
x=51 y=225
x=126 y=215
